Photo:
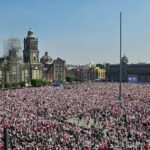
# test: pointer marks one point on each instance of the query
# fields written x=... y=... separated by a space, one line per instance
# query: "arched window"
x=34 y=58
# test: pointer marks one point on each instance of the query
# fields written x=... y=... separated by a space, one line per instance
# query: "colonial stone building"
x=96 y=72
x=53 y=70
x=15 y=68
x=78 y=71
x=139 y=72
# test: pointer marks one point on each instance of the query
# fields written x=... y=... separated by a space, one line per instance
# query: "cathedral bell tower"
x=31 y=52
x=31 y=56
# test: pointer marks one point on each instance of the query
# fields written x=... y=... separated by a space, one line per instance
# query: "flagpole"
x=120 y=76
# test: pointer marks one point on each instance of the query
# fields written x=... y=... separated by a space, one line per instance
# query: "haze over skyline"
x=80 y=31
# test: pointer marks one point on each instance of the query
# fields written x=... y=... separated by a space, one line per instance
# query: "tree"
x=37 y=82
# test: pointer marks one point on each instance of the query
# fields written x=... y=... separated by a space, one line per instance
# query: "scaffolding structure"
x=13 y=60
x=12 y=44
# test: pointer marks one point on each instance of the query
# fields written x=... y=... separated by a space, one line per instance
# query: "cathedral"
x=15 y=68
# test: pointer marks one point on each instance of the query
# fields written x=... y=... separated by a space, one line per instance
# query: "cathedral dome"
x=92 y=64
x=46 y=59
x=124 y=59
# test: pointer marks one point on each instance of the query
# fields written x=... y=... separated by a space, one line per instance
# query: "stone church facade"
x=14 y=68
x=53 y=70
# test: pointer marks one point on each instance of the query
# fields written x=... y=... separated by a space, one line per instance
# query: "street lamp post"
x=5 y=139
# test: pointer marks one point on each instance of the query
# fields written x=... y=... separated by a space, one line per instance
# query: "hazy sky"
x=80 y=31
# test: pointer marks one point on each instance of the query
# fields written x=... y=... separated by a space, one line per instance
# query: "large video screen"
x=132 y=79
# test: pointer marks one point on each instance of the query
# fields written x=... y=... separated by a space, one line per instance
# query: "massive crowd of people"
x=40 y=118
